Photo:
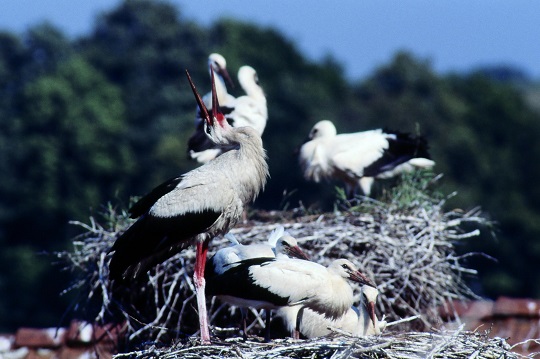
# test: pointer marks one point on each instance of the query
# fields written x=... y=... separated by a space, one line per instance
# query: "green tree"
x=68 y=147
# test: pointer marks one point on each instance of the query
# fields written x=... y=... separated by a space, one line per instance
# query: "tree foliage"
x=108 y=115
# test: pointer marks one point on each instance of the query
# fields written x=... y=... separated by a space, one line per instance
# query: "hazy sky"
x=455 y=35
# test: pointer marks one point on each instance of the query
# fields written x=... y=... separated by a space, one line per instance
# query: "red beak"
x=216 y=112
x=296 y=252
x=200 y=103
x=215 y=102
x=361 y=278
x=371 y=310
x=225 y=74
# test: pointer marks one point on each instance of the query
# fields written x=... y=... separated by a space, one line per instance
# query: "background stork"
x=358 y=158
x=248 y=110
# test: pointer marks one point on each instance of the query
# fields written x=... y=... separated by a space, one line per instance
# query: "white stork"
x=358 y=158
x=272 y=283
x=198 y=140
x=218 y=65
x=194 y=207
x=280 y=244
x=248 y=110
x=359 y=321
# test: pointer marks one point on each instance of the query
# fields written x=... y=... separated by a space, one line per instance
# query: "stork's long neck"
x=253 y=90
x=250 y=155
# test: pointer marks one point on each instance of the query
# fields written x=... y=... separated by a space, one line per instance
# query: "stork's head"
x=322 y=129
x=288 y=245
x=370 y=294
x=215 y=123
x=346 y=269
x=217 y=63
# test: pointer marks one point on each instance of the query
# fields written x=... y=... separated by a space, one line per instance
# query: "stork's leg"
x=243 y=312
x=198 y=278
x=296 y=332
x=268 y=317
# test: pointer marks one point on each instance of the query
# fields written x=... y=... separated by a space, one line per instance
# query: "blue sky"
x=455 y=35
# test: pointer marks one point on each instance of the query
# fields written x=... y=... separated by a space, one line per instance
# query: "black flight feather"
x=238 y=282
x=400 y=150
x=152 y=240
x=144 y=204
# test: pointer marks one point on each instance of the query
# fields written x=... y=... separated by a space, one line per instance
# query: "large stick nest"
x=411 y=345
x=405 y=244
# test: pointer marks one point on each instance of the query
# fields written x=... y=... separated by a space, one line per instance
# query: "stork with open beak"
x=248 y=110
x=358 y=158
x=359 y=321
x=194 y=207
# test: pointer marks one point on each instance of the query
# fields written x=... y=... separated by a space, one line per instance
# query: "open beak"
x=215 y=102
x=296 y=252
x=200 y=103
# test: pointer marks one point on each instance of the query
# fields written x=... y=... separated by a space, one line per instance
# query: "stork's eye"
x=207 y=129
x=345 y=266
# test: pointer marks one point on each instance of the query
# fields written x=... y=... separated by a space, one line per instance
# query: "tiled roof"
x=80 y=341
x=517 y=320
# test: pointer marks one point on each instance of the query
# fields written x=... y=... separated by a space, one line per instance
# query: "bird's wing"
x=236 y=281
x=352 y=153
x=249 y=112
x=152 y=240
x=144 y=204
x=295 y=279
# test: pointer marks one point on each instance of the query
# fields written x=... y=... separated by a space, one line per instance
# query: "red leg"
x=198 y=278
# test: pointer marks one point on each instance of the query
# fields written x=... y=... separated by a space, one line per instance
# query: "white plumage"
x=248 y=110
x=359 y=321
x=218 y=65
x=280 y=244
x=358 y=158
x=273 y=283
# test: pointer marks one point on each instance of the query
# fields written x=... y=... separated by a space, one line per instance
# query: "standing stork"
x=359 y=321
x=358 y=158
x=248 y=110
x=194 y=207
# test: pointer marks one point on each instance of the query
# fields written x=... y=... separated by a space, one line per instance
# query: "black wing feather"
x=237 y=282
x=400 y=150
x=144 y=204
x=152 y=240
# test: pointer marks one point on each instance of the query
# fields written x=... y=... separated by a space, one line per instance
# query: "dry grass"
x=405 y=244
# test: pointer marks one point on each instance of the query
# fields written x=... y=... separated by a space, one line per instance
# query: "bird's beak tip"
x=199 y=100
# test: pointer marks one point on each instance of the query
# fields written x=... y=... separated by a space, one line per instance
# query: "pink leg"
x=198 y=278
